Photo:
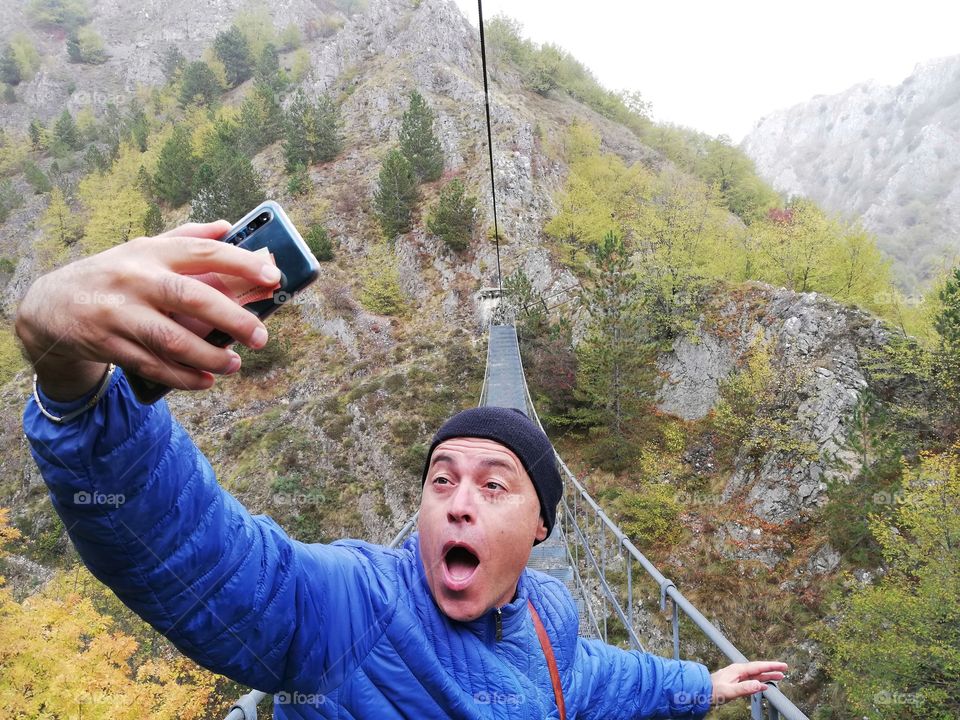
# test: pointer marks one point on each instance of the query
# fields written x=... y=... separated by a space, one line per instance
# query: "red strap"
x=551 y=661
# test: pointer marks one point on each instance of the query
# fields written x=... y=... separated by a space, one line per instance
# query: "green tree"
x=9 y=69
x=233 y=49
x=452 y=217
x=318 y=240
x=299 y=182
x=732 y=173
x=895 y=649
x=613 y=358
x=36 y=178
x=396 y=195
x=312 y=132
x=85 y=46
x=66 y=137
x=172 y=61
x=296 y=143
x=38 y=135
x=199 y=84
x=153 y=220
x=947 y=321
x=418 y=142
x=326 y=140
x=226 y=184
x=65 y=14
x=173 y=179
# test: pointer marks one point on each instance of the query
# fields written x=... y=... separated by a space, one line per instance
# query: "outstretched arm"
x=630 y=684
x=139 y=500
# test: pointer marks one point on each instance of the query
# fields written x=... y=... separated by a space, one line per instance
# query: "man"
x=446 y=626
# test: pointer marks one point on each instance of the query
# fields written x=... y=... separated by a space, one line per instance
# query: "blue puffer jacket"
x=347 y=630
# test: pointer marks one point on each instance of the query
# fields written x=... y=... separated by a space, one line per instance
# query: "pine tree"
x=199 y=84
x=296 y=144
x=418 y=142
x=172 y=61
x=326 y=141
x=396 y=195
x=153 y=220
x=9 y=69
x=65 y=133
x=38 y=135
x=233 y=49
x=452 y=216
x=612 y=378
x=311 y=132
x=226 y=184
x=173 y=180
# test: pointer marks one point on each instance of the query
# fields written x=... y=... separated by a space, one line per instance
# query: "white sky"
x=719 y=66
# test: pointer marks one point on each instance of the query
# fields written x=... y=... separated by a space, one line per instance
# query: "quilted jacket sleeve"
x=629 y=684
x=232 y=591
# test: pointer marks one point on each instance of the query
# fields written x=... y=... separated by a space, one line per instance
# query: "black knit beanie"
x=513 y=429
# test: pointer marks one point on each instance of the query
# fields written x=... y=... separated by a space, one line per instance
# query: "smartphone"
x=266 y=228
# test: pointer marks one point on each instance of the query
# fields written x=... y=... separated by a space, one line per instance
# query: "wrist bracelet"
x=86 y=406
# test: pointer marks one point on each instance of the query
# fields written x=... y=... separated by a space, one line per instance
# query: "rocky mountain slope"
x=330 y=441
x=888 y=156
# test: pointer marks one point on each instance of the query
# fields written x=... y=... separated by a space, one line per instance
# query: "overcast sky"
x=721 y=66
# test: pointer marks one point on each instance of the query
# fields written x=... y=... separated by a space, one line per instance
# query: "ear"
x=541 y=534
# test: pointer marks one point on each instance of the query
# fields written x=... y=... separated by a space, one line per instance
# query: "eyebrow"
x=486 y=462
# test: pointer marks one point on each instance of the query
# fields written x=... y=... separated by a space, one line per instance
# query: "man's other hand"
x=116 y=306
x=740 y=679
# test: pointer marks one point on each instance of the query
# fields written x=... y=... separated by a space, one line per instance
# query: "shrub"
x=650 y=516
x=318 y=240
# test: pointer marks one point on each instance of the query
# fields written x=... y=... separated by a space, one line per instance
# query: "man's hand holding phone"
x=116 y=307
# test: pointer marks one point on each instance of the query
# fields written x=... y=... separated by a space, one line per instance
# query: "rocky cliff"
x=888 y=156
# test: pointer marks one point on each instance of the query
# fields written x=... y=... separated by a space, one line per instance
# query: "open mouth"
x=460 y=563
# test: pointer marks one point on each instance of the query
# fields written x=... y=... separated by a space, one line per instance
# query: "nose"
x=462 y=506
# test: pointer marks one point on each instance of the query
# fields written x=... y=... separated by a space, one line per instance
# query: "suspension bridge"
x=590 y=554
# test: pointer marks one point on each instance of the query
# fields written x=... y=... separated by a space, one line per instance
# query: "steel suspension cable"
x=486 y=102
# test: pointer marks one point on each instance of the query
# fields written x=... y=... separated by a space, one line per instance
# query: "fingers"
x=134 y=356
x=213 y=230
x=171 y=344
x=750 y=669
x=187 y=296
x=192 y=255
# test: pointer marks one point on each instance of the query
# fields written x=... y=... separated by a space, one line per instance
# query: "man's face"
x=479 y=516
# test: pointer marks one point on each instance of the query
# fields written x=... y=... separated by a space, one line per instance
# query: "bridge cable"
x=493 y=186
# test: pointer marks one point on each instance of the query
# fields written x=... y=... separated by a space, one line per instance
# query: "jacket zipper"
x=498 y=620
